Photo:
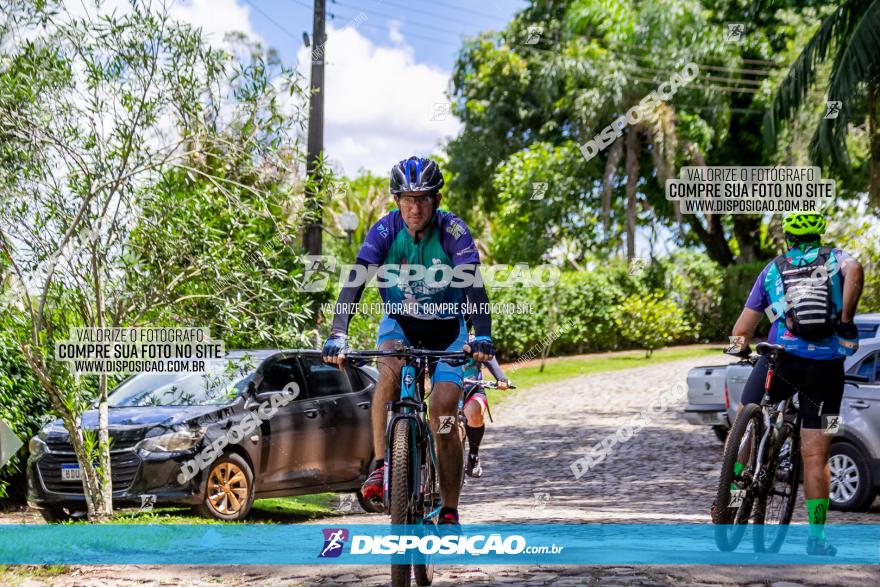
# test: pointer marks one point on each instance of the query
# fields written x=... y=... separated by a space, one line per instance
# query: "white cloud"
x=379 y=102
x=216 y=18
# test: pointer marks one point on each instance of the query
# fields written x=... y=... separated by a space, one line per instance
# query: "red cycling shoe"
x=373 y=488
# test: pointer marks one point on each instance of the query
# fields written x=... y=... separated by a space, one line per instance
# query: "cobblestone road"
x=665 y=473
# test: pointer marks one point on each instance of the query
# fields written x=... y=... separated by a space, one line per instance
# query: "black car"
x=212 y=440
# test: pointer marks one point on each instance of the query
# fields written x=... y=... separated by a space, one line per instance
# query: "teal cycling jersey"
x=418 y=277
x=768 y=292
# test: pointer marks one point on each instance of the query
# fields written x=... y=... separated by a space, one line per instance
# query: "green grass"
x=557 y=370
x=264 y=511
x=18 y=574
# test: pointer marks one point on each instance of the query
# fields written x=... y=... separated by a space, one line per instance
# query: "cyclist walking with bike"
x=812 y=292
x=406 y=247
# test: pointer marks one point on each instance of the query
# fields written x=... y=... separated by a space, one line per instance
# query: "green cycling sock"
x=817 y=509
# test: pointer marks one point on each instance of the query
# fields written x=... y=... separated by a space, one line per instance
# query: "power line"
x=447 y=42
x=702 y=77
x=620 y=54
x=396 y=17
x=274 y=22
x=422 y=11
x=701 y=87
x=466 y=10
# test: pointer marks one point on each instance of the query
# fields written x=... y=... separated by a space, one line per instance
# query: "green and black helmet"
x=804 y=223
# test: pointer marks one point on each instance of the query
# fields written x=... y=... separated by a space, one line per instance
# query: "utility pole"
x=314 y=225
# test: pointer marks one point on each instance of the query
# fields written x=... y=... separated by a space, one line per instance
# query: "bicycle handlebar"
x=406 y=352
x=454 y=358
x=489 y=384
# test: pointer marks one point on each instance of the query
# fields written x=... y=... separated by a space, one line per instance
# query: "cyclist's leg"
x=821 y=390
x=446 y=386
x=444 y=404
x=475 y=410
x=753 y=390
x=387 y=389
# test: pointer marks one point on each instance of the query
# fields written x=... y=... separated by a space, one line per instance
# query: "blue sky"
x=388 y=65
x=433 y=29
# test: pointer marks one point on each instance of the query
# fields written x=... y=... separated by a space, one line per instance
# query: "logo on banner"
x=334 y=540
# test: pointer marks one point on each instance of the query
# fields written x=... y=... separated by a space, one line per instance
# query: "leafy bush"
x=23 y=405
x=651 y=321
x=577 y=314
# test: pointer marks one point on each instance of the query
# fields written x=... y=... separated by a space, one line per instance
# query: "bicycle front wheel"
x=401 y=491
x=774 y=508
x=734 y=499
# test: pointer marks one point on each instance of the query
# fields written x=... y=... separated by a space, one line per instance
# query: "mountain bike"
x=412 y=490
x=761 y=468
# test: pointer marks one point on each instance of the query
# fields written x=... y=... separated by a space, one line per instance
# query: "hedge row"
x=670 y=301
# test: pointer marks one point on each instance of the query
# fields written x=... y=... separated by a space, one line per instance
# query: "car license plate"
x=709 y=417
x=71 y=473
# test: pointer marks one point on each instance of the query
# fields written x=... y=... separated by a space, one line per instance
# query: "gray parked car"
x=714 y=394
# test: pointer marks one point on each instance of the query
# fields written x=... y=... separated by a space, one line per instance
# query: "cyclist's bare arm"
x=853 y=280
x=745 y=326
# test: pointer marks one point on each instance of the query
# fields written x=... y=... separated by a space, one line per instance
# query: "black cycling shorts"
x=819 y=385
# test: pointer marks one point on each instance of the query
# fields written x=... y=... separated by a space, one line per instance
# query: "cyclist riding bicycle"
x=811 y=292
x=414 y=249
x=476 y=404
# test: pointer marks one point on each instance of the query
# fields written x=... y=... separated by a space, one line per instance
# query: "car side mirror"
x=853 y=378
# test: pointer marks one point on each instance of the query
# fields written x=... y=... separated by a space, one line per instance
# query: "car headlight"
x=37 y=447
x=177 y=441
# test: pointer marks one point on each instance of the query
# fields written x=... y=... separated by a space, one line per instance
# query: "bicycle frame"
x=774 y=420
x=412 y=407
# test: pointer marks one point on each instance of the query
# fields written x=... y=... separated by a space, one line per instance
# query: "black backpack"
x=809 y=313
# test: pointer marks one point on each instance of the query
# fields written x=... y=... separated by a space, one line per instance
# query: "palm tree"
x=852 y=35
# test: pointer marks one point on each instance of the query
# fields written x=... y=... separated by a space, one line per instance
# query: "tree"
x=590 y=63
x=849 y=35
x=104 y=124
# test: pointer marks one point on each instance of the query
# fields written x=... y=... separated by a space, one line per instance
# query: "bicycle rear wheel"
x=401 y=492
x=734 y=499
x=774 y=508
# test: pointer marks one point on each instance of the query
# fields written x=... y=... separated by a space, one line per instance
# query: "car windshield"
x=220 y=383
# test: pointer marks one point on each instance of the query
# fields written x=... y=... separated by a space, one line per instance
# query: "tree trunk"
x=92 y=491
x=608 y=183
x=632 y=182
x=747 y=230
x=874 y=139
x=715 y=243
x=104 y=506
x=711 y=235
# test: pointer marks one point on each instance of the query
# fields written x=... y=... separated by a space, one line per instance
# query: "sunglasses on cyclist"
x=412 y=201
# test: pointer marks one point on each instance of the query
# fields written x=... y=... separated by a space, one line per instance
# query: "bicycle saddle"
x=765 y=348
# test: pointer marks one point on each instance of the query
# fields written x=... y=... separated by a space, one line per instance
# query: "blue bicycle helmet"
x=416 y=175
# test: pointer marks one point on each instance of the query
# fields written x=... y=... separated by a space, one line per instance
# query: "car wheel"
x=229 y=489
x=54 y=515
x=852 y=489
x=720 y=432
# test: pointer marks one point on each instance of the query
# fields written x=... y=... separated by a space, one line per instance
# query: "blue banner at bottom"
x=525 y=544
